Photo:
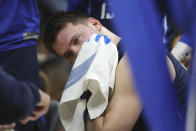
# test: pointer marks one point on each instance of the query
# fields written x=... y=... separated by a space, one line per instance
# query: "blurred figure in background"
x=54 y=72
x=19 y=30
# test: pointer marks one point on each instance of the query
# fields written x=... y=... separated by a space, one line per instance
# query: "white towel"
x=94 y=70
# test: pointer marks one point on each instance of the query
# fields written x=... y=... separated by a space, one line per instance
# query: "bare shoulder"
x=124 y=104
x=124 y=80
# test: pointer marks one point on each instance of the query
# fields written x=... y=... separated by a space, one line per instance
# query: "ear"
x=95 y=23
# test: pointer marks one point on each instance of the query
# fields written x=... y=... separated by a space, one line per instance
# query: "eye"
x=76 y=41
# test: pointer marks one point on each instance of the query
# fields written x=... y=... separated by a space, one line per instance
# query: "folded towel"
x=93 y=71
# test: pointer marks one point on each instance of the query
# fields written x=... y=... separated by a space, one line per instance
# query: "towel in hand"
x=93 y=71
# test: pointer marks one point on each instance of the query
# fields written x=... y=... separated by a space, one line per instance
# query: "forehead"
x=70 y=30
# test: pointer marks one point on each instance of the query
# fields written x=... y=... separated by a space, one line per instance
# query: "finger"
x=2 y=127
x=12 y=125
x=9 y=126
x=34 y=116
x=40 y=110
x=26 y=120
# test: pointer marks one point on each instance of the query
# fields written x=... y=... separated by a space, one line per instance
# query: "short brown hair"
x=57 y=22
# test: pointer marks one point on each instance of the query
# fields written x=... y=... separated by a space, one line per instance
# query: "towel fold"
x=93 y=71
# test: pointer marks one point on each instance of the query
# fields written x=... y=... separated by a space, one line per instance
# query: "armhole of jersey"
x=121 y=51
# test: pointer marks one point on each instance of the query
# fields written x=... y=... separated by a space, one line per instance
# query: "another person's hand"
x=40 y=109
x=7 y=127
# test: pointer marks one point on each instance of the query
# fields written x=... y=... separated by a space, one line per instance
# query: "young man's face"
x=70 y=39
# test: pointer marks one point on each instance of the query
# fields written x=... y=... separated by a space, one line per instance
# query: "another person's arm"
x=123 y=109
x=17 y=99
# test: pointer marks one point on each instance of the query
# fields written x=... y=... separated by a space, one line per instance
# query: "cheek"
x=57 y=49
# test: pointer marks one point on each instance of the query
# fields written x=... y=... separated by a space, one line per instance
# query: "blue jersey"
x=19 y=24
x=99 y=9
x=188 y=39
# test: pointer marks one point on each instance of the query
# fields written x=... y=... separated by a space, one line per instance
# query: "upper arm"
x=124 y=107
